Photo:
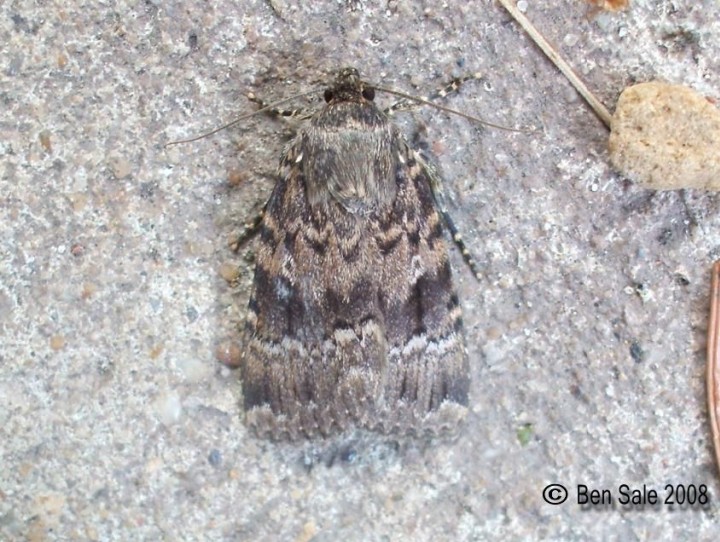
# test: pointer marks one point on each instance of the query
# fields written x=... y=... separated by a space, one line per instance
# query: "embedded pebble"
x=193 y=369
x=120 y=167
x=45 y=141
x=215 y=458
x=666 y=137
x=168 y=408
x=57 y=342
x=228 y=271
x=229 y=354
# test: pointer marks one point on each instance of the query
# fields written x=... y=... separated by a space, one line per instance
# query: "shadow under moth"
x=353 y=318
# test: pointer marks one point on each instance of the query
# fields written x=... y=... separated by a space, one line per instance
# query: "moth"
x=353 y=318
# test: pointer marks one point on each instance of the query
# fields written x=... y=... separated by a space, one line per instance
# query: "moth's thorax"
x=357 y=112
x=349 y=157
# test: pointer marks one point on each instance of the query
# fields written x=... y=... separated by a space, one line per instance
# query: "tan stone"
x=666 y=137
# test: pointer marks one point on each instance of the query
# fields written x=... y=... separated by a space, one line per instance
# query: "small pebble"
x=45 y=140
x=77 y=249
x=120 y=167
x=168 y=408
x=571 y=40
x=236 y=176
x=636 y=352
x=57 y=342
x=228 y=353
x=195 y=370
x=215 y=458
x=229 y=271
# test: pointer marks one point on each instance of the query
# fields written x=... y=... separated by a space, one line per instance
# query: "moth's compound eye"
x=368 y=93
x=328 y=95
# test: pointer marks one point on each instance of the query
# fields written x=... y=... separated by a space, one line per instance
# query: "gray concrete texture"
x=586 y=336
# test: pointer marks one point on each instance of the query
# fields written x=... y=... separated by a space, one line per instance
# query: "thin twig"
x=713 y=357
x=600 y=110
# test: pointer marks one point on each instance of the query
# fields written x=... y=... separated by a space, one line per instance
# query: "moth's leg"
x=299 y=113
x=406 y=104
x=251 y=227
x=439 y=197
x=248 y=230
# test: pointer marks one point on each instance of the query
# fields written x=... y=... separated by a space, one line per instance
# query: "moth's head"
x=348 y=87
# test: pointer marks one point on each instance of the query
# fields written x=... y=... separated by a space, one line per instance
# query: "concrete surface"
x=586 y=338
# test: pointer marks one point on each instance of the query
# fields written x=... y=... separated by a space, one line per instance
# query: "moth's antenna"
x=446 y=109
x=596 y=105
x=240 y=119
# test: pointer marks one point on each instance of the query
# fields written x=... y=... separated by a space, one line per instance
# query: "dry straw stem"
x=600 y=110
x=713 y=358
